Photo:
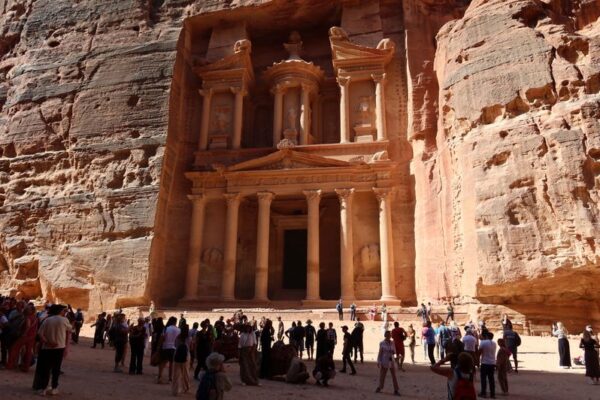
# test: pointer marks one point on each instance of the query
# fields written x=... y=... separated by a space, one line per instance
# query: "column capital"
x=312 y=195
x=383 y=193
x=265 y=197
x=343 y=80
x=379 y=78
x=236 y=90
x=277 y=89
x=196 y=198
x=207 y=92
x=232 y=198
x=345 y=195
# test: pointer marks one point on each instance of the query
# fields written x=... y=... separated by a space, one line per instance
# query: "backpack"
x=338 y=307
x=464 y=388
x=208 y=386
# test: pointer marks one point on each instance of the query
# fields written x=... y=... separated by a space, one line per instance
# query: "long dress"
x=592 y=364
x=322 y=344
x=564 y=351
x=265 y=361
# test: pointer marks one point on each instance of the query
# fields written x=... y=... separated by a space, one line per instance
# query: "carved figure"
x=242 y=46
x=364 y=111
x=212 y=256
x=337 y=33
x=222 y=120
x=385 y=44
x=369 y=257
x=292 y=116
x=380 y=156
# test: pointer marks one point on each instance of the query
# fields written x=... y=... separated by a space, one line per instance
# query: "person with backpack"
x=460 y=379
x=214 y=382
x=513 y=340
x=445 y=337
x=487 y=351
x=340 y=309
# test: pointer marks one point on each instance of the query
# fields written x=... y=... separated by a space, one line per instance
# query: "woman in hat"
x=214 y=383
x=589 y=344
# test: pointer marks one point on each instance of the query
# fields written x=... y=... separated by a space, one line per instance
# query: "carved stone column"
x=380 y=106
x=261 y=282
x=204 y=125
x=277 y=114
x=346 y=245
x=313 y=198
x=344 y=109
x=305 y=116
x=195 y=247
x=230 y=253
x=388 y=281
x=237 y=117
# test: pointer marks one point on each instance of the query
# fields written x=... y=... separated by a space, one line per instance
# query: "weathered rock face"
x=508 y=192
x=501 y=111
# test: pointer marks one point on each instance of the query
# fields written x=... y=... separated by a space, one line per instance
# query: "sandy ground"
x=88 y=375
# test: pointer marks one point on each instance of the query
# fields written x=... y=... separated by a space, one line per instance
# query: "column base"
x=391 y=300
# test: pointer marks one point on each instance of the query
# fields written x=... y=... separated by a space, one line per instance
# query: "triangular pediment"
x=286 y=159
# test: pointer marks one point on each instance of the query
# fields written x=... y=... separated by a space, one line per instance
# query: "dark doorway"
x=294 y=259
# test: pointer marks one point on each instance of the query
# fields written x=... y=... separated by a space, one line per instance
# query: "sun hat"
x=214 y=360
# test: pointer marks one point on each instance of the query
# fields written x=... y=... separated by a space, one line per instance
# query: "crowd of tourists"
x=268 y=349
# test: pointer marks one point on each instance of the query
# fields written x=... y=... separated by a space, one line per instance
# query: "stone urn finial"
x=294 y=46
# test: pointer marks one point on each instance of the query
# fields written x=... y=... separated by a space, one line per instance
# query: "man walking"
x=357 y=340
x=53 y=335
x=347 y=351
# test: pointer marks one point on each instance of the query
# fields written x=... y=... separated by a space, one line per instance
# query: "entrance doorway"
x=294 y=259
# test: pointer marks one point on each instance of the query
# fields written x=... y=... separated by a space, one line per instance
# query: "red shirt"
x=399 y=334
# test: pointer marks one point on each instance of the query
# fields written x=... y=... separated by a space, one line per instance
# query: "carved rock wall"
x=509 y=193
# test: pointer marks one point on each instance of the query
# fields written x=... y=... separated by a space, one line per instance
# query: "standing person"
x=353 y=312
x=460 y=379
x=203 y=344
x=445 y=337
x=428 y=335
x=347 y=352
x=192 y=343
x=384 y=313
x=280 y=329
x=322 y=341
x=502 y=362
x=357 y=340
x=100 y=326
x=310 y=334
x=332 y=338
x=181 y=376
x=53 y=335
x=590 y=354
x=513 y=341
x=247 y=357
x=449 y=312
x=422 y=312
x=158 y=328
x=412 y=341
x=107 y=326
x=470 y=344
x=119 y=333
x=167 y=351
x=564 y=350
x=487 y=351
x=137 y=336
x=214 y=382
x=298 y=335
x=288 y=333
x=78 y=323
x=429 y=311
x=372 y=312
x=506 y=323
x=399 y=335
x=340 y=309
x=385 y=362
x=266 y=338
x=25 y=342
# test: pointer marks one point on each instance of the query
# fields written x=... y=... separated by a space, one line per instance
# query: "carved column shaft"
x=261 y=283
x=230 y=256
x=204 y=125
x=313 y=198
x=195 y=247
x=388 y=281
x=344 y=109
x=237 y=117
x=346 y=243
x=277 y=115
x=380 y=106
x=305 y=116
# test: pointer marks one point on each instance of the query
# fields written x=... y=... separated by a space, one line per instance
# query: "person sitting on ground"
x=460 y=379
x=324 y=370
x=297 y=372
x=214 y=382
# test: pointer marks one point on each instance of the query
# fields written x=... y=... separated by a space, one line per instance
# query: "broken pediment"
x=287 y=159
x=235 y=67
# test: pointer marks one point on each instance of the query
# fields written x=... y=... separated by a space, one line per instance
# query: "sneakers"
x=53 y=392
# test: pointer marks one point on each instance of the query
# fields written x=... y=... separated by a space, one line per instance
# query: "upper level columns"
x=239 y=94
x=261 y=282
x=204 y=125
x=380 y=105
x=305 y=115
x=277 y=113
x=344 y=82
x=313 y=198
x=230 y=253
x=195 y=247
x=388 y=281
x=346 y=244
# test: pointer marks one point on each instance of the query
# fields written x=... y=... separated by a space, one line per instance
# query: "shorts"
x=400 y=350
x=310 y=345
x=167 y=354
x=299 y=345
x=513 y=350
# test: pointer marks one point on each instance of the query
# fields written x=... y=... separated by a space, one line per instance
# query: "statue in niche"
x=212 y=257
x=294 y=46
x=364 y=127
x=369 y=257
x=291 y=133
x=221 y=124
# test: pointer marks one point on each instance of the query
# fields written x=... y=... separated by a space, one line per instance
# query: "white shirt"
x=247 y=340
x=385 y=358
x=170 y=334
x=488 y=352
x=470 y=342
